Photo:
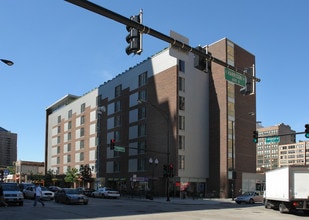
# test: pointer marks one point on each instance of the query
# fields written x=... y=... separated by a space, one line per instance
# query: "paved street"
x=142 y=209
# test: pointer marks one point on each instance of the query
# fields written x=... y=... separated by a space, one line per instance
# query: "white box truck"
x=287 y=189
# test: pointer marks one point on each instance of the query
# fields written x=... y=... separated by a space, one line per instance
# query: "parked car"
x=85 y=191
x=12 y=194
x=29 y=193
x=105 y=192
x=70 y=196
x=23 y=186
x=54 y=188
x=249 y=197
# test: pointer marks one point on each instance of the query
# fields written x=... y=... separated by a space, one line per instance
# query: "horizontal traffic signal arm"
x=279 y=135
x=147 y=30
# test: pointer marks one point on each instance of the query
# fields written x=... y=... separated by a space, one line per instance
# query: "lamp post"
x=151 y=161
x=100 y=112
x=167 y=118
x=233 y=152
x=7 y=62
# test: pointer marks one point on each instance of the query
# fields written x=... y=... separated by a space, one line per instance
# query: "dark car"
x=54 y=188
x=85 y=191
x=70 y=196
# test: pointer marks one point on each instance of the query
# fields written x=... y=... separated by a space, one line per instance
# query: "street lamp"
x=233 y=151
x=7 y=62
x=156 y=161
x=100 y=112
x=167 y=118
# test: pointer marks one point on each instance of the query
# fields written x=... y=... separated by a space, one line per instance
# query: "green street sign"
x=120 y=149
x=272 y=139
x=234 y=77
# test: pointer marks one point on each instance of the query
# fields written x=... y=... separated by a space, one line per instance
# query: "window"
x=69 y=136
x=117 y=136
x=181 y=64
x=59 y=119
x=141 y=145
x=59 y=129
x=141 y=164
x=141 y=130
x=69 y=147
x=181 y=103
x=82 y=144
x=58 y=150
x=181 y=84
x=117 y=106
x=181 y=122
x=142 y=79
x=181 y=162
x=69 y=125
x=82 y=132
x=118 y=90
x=68 y=158
x=81 y=156
x=70 y=114
x=142 y=95
x=117 y=121
x=58 y=139
x=82 y=107
x=181 y=142
x=141 y=112
x=58 y=160
x=82 y=120
x=116 y=167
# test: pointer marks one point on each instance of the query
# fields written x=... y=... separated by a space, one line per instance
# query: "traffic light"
x=255 y=136
x=171 y=170
x=112 y=144
x=200 y=62
x=165 y=170
x=247 y=90
x=134 y=37
x=307 y=130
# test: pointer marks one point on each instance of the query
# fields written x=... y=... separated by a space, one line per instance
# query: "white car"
x=46 y=194
x=105 y=192
x=12 y=194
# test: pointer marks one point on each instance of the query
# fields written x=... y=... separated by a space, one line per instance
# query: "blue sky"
x=59 y=48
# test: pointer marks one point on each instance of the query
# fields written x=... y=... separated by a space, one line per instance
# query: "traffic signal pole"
x=147 y=30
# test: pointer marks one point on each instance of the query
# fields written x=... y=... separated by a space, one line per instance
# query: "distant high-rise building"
x=8 y=148
x=267 y=148
x=294 y=154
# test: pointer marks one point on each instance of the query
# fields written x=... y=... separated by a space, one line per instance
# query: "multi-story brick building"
x=163 y=108
x=294 y=154
x=267 y=155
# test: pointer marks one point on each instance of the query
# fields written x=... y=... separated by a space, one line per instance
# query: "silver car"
x=249 y=197
x=46 y=194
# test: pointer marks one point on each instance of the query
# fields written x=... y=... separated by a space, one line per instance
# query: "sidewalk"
x=176 y=200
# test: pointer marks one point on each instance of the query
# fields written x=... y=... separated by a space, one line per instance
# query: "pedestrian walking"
x=2 y=202
x=38 y=195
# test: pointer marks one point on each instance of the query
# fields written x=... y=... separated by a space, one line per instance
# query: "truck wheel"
x=282 y=208
x=266 y=205
x=251 y=201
